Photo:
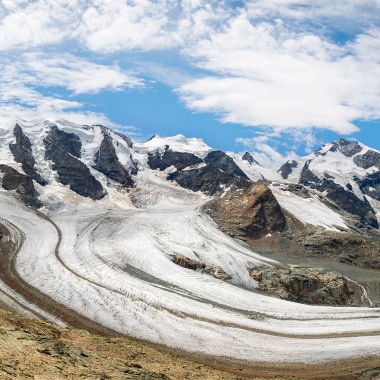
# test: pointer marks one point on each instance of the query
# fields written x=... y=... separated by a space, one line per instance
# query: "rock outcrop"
x=180 y=160
x=107 y=162
x=208 y=179
x=252 y=212
x=22 y=153
x=249 y=158
x=64 y=150
x=345 y=199
x=22 y=184
x=225 y=163
x=347 y=247
x=347 y=148
x=287 y=168
x=196 y=265
x=370 y=185
x=368 y=159
x=304 y=285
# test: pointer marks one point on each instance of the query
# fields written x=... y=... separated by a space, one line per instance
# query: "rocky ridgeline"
x=213 y=174
x=64 y=150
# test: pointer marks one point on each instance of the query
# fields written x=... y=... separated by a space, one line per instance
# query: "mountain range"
x=204 y=251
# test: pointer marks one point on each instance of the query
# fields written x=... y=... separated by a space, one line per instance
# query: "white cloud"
x=25 y=85
x=266 y=74
x=266 y=146
x=109 y=26
x=26 y=24
x=269 y=63
x=351 y=15
x=265 y=153
x=77 y=74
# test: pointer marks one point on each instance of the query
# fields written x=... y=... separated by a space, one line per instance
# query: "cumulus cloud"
x=108 y=26
x=23 y=83
x=27 y=24
x=266 y=74
x=77 y=74
x=266 y=145
x=274 y=64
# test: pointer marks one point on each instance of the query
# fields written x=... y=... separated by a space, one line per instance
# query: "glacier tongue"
x=110 y=259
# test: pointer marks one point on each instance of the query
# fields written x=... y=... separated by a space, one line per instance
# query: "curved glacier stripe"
x=115 y=267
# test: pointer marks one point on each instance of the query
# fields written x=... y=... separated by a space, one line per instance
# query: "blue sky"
x=275 y=77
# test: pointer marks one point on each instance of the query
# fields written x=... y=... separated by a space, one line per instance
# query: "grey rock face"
x=107 y=162
x=286 y=169
x=370 y=185
x=248 y=157
x=346 y=200
x=368 y=159
x=64 y=149
x=21 y=184
x=348 y=148
x=168 y=158
x=225 y=163
x=207 y=179
x=58 y=142
x=196 y=265
x=22 y=153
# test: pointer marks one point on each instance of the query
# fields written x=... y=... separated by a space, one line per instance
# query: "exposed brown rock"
x=305 y=285
x=185 y=262
x=248 y=213
x=218 y=273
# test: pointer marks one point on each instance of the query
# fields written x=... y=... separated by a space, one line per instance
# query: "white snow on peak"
x=327 y=162
x=178 y=143
x=309 y=210
x=254 y=171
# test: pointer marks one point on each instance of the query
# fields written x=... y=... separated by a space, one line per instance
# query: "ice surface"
x=110 y=260
x=114 y=266
x=309 y=210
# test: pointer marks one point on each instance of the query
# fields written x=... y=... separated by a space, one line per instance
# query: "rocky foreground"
x=31 y=349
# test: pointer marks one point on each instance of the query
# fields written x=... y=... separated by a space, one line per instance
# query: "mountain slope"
x=111 y=216
x=348 y=174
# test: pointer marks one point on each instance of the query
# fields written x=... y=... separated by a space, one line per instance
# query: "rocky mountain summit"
x=91 y=159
